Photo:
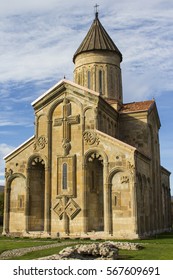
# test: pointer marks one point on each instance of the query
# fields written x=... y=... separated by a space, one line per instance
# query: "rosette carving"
x=40 y=143
x=90 y=137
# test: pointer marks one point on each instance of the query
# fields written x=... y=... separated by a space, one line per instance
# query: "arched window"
x=89 y=79
x=79 y=79
x=21 y=202
x=100 y=81
x=64 y=176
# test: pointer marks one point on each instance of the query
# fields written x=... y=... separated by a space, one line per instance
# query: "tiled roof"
x=137 y=106
x=97 y=39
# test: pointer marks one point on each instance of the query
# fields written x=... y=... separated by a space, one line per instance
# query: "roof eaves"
x=48 y=91
x=133 y=111
x=20 y=146
x=63 y=82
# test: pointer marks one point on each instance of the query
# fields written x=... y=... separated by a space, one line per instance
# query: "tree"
x=1 y=205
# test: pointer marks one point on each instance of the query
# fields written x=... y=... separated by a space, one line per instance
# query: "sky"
x=39 y=38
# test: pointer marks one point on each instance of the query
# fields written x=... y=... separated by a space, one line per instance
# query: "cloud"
x=4 y=150
x=38 y=44
x=16 y=118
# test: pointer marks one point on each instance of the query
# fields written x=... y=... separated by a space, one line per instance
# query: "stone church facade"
x=92 y=169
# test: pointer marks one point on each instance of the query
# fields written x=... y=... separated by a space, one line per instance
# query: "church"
x=92 y=169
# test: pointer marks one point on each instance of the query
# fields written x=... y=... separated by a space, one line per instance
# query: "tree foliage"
x=1 y=203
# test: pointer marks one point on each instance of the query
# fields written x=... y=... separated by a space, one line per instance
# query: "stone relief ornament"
x=59 y=208
x=124 y=179
x=90 y=137
x=66 y=146
x=40 y=143
x=8 y=173
x=131 y=167
x=71 y=208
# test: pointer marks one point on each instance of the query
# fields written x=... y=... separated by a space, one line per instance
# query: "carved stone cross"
x=66 y=121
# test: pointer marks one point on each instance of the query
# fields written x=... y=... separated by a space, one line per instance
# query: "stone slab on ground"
x=95 y=251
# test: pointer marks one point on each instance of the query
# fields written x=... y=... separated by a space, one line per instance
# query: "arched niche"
x=94 y=191
x=17 y=185
x=41 y=125
x=36 y=184
x=120 y=199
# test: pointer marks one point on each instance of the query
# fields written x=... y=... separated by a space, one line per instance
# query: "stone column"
x=107 y=209
x=134 y=203
x=84 y=181
x=6 y=210
x=84 y=197
x=47 y=202
x=26 y=206
x=26 y=210
x=106 y=200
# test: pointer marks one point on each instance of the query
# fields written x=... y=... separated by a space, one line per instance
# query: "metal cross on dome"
x=96 y=10
x=96 y=6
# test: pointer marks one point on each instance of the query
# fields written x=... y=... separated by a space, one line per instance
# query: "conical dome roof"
x=97 y=39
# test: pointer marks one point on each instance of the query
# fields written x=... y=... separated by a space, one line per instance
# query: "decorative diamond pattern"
x=59 y=209
x=71 y=209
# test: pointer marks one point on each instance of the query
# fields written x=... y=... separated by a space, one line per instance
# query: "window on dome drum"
x=79 y=79
x=64 y=176
x=115 y=201
x=100 y=81
x=20 y=203
x=89 y=79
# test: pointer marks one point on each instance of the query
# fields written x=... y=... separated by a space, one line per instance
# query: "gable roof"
x=143 y=106
x=137 y=106
x=22 y=146
x=58 y=85
x=97 y=39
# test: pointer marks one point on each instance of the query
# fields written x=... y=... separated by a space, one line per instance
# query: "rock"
x=127 y=245
x=94 y=251
x=107 y=250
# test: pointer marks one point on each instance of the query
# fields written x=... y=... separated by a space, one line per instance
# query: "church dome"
x=97 y=63
x=97 y=39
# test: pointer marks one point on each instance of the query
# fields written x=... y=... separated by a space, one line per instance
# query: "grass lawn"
x=16 y=243
x=149 y=252
x=42 y=253
x=160 y=248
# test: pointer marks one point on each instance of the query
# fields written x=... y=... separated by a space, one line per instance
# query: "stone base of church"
x=94 y=235
x=36 y=234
